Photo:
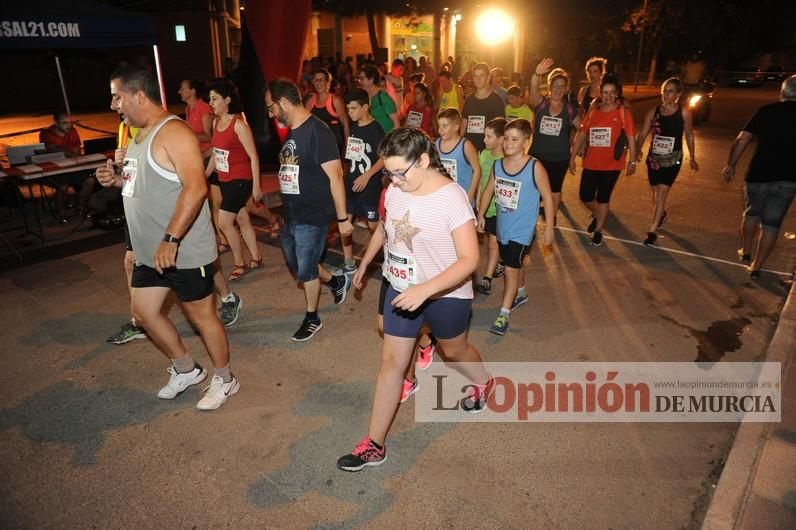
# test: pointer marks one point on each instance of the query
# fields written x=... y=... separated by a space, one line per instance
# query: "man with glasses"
x=313 y=194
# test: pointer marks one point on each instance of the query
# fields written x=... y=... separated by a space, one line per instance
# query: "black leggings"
x=597 y=185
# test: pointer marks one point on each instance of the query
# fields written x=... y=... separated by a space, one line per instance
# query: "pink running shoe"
x=365 y=454
x=425 y=354
x=479 y=394
x=409 y=388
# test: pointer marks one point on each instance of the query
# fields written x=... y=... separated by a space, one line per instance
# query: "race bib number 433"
x=507 y=193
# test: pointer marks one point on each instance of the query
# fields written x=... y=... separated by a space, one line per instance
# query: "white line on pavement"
x=674 y=251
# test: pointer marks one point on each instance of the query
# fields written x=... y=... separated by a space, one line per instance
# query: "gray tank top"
x=149 y=204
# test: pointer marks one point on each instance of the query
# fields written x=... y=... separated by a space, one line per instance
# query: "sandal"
x=237 y=273
x=257 y=263
x=222 y=248
x=276 y=226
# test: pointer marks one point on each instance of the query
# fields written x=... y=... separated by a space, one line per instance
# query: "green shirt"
x=381 y=106
x=486 y=158
x=523 y=111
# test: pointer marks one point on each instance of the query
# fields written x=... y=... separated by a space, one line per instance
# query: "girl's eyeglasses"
x=400 y=175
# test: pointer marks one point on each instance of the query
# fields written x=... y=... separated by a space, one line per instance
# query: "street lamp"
x=494 y=26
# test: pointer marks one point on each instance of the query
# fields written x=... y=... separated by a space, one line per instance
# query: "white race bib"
x=355 y=149
x=401 y=271
x=599 y=137
x=476 y=124
x=550 y=126
x=289 y=179
x=414 y=119
x=662 y=145
x=222 y=159
x=450 y=166
x=507 y=193
x=129 y=171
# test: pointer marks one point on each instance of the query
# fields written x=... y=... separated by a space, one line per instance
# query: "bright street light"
x=494 y=26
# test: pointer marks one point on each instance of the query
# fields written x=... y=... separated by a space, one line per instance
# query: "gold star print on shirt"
x=404 y=231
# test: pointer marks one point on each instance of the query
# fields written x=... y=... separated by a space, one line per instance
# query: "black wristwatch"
x=343 y=220
x=168 y=238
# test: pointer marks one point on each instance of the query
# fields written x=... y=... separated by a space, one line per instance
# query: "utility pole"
x=640 y=45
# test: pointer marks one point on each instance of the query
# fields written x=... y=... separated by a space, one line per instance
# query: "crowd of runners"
x=430 y=169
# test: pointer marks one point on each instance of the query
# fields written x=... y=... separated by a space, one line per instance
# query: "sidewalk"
x=757 y=488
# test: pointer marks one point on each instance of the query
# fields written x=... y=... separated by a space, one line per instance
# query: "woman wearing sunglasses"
x=431 y=252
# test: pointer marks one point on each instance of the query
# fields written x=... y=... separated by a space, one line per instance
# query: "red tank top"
x=194 y=119
x=232 y=162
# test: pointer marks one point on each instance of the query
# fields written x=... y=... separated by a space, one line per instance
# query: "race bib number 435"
x=401 y=271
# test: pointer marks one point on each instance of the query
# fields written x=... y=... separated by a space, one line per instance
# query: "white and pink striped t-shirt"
x=420 y=228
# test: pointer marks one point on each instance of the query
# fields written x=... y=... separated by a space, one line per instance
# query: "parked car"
x=745 y=76
x=772 y=74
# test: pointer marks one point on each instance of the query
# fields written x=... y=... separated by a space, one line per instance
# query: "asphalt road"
x=85 y=443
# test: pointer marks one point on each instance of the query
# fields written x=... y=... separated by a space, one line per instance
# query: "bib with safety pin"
x=662 y=145
x=450 y=166
x=599 y=137
x=289 y=179
x=354 y=149
x=476 y=124
x=550 y=126
x=222 y=159
x=414 y=119
x=129 y=172
x=401 y=270
x=507 y=193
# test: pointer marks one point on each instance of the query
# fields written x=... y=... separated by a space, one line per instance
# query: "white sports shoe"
x=179 y=382
x=217 y=392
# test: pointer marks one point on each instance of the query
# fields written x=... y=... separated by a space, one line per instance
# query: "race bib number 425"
x=289 y=179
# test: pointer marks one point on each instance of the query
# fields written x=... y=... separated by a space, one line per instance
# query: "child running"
x=517 y=183
x=493 y=139
x=516 y=108
x=421 y=112
x=458 y=155
x=431 y=251
x=362 y=188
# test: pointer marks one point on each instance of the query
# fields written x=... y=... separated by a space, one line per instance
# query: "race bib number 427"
x=600 y=137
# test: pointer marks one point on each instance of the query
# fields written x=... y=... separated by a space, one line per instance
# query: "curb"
x=734 y=488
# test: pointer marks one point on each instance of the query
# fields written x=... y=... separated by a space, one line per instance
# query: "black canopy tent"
x=76 y=24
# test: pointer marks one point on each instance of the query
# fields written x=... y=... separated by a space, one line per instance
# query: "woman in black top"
x=667 y=122
x=595 y=68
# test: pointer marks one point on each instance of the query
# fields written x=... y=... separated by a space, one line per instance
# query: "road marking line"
x=675 y=251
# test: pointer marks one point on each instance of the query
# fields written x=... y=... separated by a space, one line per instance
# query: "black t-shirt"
x=308 y=146
x=477 y=113
x=371 y=136
x=774 y=125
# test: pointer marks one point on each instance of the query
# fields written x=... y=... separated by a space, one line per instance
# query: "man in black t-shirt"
x=771 y=178
x=313 y=195
x=480 y=107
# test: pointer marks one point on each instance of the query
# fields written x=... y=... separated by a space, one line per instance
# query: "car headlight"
x=693 y=100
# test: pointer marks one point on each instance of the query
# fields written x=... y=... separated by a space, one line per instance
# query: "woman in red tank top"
x=238 y=167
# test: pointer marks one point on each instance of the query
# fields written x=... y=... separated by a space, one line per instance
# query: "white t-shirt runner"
x=419 y=236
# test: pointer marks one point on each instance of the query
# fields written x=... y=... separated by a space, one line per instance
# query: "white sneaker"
x=217 y=392
x=179 y=382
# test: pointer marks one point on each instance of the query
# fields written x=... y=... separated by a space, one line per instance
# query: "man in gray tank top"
x=164 y=193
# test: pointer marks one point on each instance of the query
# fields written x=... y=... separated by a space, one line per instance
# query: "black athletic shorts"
x=512 y=253
x=213 y=179
x=189 y=285
x=235 y=194
x=556 y=171
x=490 y=225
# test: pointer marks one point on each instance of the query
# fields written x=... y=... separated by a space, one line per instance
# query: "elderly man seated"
x=62 y=136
